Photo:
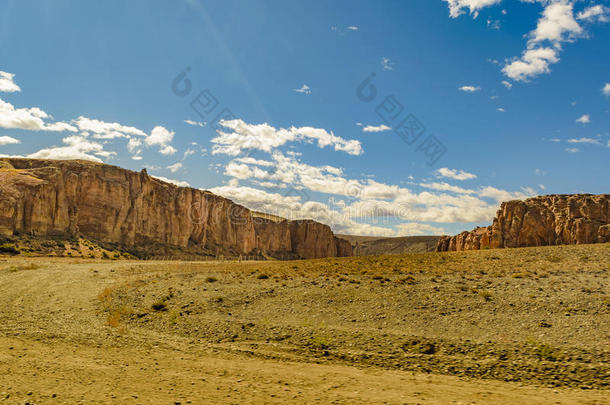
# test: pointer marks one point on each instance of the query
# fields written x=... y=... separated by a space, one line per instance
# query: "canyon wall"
x=110 y=204
x=539 y=221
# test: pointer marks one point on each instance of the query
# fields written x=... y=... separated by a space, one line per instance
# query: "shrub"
x=211 y=279
x=545 y=352
x=262 y=277
x=159 y=306
x=553 y=258
x=9 y=248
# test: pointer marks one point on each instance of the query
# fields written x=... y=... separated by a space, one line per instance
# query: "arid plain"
x=491 y=326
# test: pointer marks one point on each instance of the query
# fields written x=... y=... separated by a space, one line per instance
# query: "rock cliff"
x=110 y=204
x=545 y=220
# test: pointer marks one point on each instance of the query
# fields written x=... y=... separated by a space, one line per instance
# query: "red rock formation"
x=110 y=204
x=546 y=220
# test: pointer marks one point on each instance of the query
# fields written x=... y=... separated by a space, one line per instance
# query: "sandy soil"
x=505 y=326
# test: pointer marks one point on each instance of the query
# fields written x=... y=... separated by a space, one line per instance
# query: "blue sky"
x=493 y=99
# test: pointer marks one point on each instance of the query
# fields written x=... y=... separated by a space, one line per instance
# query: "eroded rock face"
x=303 y=238
x=110 y=204
x=546 y=220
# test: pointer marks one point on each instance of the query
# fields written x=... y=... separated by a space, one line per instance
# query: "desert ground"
x=527 y=325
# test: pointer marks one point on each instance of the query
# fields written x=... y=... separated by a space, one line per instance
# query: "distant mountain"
x=374 y=245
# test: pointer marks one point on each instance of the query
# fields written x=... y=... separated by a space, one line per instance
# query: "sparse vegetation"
x=9 y=248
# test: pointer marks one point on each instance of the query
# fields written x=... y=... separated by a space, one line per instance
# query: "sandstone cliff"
x=110 y=204
x=538 y=221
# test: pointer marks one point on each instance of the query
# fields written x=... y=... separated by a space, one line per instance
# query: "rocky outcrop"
x=301 y=238
x=539 y=221
x=110 y=204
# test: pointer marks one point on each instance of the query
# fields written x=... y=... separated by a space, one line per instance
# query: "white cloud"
x=455 y=174
x=387 y=64
x=303 y=89
x=532 y=63
x=502 y=195
x=413 y=228
x=572 y=150
x=134 y=144
x=266 y=138
x=352 y=28
x=7 y=84
x=584 y=140
x=372 y=128
x=7 y=140
x=585 y=119
x=172 y=181
x=367 y=199
x=106 y=130
x=252 y=161
x=195 y=123
x=446 y=187
x=595 y=13
x=606 y=89
x=167 y=150
x=500 y=109
x=470 y=89
x=32 y=119
x=175 y=167
x=507 y=84
x=556 y=25
x=78 y=147
x=456 y=7
x=161 y=137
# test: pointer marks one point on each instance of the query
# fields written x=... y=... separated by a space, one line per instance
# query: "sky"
x=387 y=118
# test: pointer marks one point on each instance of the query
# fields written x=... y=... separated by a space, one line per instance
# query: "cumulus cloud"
x=78 y=147
x=533 y=62
x=606 y=89
x=244 y=136
x=507 y=84
x=161 y=137
x=7 y=140
x=556 y=26
x=597 y=13
x=106 y=130
x=379 y=128
x=32 y=119
x=572 y=150
x=455 y=174
x=469 y=89
x=7 y=85
x=500 y=109
x=459 y=7
x=584 y=119
x=364 y=204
